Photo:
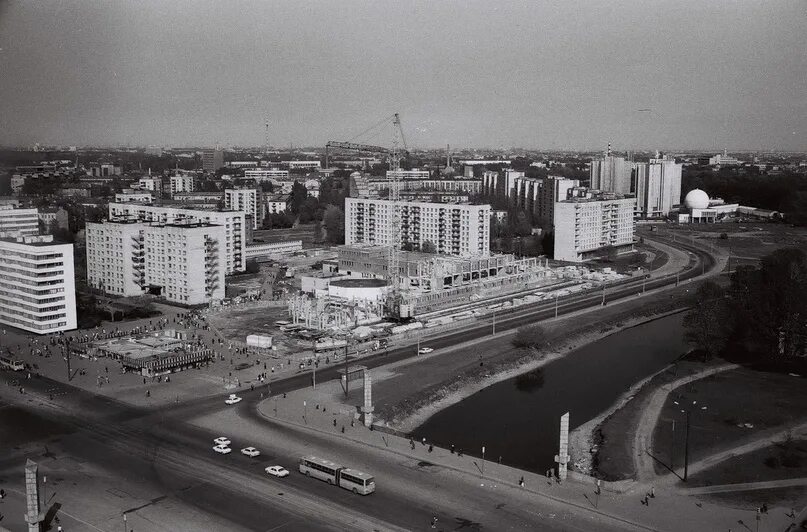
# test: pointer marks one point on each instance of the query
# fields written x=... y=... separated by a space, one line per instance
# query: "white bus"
x=333 y=473
x=14 y=365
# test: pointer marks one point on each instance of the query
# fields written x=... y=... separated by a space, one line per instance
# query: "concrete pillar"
x=33 y=514
x=368 y=408
x=562 y=458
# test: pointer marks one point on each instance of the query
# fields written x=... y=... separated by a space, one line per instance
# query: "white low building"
x=273 y=249
x=16 y=221
x=37 y=284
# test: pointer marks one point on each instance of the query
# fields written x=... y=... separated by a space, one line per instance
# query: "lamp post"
x=124 y=522
x=483 y=460
x=687 y=411
x=494 y=324
x=556 y=305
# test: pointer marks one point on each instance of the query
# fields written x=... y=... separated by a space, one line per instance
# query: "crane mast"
x=394 y=258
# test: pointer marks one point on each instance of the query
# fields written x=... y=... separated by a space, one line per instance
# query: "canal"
x=518 y=419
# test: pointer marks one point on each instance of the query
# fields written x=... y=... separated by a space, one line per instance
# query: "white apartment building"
x=266 y=250
x=538 y=196
x=133 y=195
x=246 y=200
x=658 y=187
x=265 y=174
x=37 y=287
x=15 y=221
x=153 y=184
x=182 y=183
x=611 y=174
x=303 y=165
x=501 y=184
x=232 y=221
x=590 y=222
x=409 y=174
x=453 y=229
x=115 y=257
x=183 y=262
x=275 y=205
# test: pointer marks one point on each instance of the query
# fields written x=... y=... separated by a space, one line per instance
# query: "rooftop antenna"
x=266 y=138
x=608 y=153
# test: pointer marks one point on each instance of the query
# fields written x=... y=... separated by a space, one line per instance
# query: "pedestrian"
x=652 y=492
x=764 y=508
x=452 y=448
x=343 y=429
x=412 y=444
x=424 y=441
x=521 y=482
x=334 y=423
x=431 y=447
x=434 y=522
x=148 y=393
x=500 y=459
x=352 y=421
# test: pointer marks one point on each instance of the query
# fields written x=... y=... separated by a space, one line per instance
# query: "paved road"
x=179 y=454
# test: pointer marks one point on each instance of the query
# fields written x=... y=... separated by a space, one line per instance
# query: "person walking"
x=434 y=522
x=521 y=482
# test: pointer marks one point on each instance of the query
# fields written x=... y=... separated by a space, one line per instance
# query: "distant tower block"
x=562 y=458
x=33 y=516
x=368 y=408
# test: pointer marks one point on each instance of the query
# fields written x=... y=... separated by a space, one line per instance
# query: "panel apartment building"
x=537 y=196
x=37 y=285
x=589 y=223
x=233 y=222
x=246 y=200
x=15 y=221
x=658 y=187
x=462 y=230
x=611 y=174
x=182 y=262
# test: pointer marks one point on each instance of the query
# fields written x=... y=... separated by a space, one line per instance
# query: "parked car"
x=425 y=350
x=233 y=399
x=277 y=471
x=221 y=440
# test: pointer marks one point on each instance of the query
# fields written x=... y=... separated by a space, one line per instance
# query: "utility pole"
x=494 y=323
x=556 y=305
x=686 y=446
x=347 y=379
x=125 y=528
x=483 y=460
x=603 y=296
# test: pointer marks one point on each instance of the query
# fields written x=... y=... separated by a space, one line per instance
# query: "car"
x=277 y=471
x=250 y=451
x=232 y=399
x=425 y=350
x=222 y=449
x=221 y=440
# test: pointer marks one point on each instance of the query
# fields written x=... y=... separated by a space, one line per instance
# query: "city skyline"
x=573 y=76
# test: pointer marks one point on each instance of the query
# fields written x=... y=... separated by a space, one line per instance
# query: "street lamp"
x=124 y=522
x=687 y=410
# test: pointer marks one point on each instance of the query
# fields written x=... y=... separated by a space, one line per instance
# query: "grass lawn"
x=614 y=457
x=782 y=460
x=739 y=405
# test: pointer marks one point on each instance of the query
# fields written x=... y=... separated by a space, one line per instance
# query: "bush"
x=529 y=337
x=724 y=236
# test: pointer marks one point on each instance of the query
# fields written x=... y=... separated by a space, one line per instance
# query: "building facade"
x=591 y=223
x=37 y=285
x=232 y=221
x=611 y=174
x=537 y=196
x=658 y=187
x=183 y=262
x=265 y=174
x=452 y=229
x=267 y=250
x=15 y=221
x=129 y=194
x=212 y=160
x=246 y=200
x=182 y=183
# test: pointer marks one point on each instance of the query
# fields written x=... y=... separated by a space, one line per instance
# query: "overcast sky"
x=534 y=74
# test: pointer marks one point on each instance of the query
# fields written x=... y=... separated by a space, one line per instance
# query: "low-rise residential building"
x=267 y=250
x=590 y=224
x=302 y=165
x=275 y=204
x=266 y=174
x=53 y=218
x=153 y=184
x=128 y=194
x=37 y=285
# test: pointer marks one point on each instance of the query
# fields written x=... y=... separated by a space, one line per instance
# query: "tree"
x=529 y=337
x=428 y=247
x=708 y=323
x=334 y=221
x=548 y=243
x=297 y=197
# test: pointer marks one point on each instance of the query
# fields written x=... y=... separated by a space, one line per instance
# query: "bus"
x=14 y=365
x=350 y=479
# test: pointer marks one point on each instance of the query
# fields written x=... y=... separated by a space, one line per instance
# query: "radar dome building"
x=696 y=199
x=699 y=208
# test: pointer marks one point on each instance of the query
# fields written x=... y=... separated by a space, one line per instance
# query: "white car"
x=222 y=449
x=277 y=471
x=221 y=440
x=233 y=399
x=425 y=350
x=250 y=451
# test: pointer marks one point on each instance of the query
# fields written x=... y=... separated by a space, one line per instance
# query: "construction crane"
x=394 y=156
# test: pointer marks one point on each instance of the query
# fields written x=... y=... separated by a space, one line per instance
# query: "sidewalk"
x=325 y=412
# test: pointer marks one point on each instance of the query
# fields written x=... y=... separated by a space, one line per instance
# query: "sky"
x=562 y=74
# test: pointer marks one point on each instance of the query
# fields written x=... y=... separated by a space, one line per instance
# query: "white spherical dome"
x=696 y=199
